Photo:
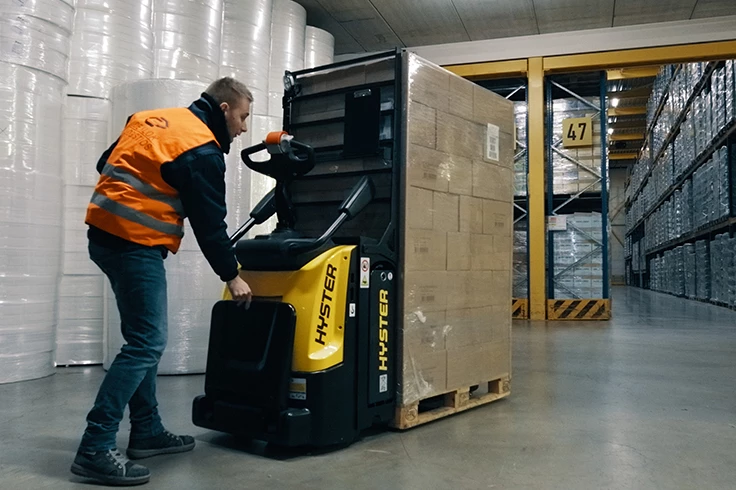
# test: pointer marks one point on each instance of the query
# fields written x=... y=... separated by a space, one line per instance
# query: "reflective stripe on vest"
x=144 y=188
x=136 y=216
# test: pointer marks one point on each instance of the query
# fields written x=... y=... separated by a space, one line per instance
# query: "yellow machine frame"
x=320 y=332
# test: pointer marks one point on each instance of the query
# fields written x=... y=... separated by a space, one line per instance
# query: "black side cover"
x=250 y=351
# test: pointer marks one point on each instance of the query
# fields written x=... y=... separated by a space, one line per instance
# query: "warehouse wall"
x=587 y=41
x=617 y=218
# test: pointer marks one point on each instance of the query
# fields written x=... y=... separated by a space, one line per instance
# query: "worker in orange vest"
x=166 y=165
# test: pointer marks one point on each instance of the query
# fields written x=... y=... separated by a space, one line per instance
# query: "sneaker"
x=109 y=468
x=164 y=443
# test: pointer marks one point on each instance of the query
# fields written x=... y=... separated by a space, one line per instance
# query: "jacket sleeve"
x=200 y=181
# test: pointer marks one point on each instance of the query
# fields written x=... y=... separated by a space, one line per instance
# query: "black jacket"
x=199 y=177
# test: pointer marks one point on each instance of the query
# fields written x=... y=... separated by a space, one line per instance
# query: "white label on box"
x=365 y=273
x=352 y=310
x=383 y=383
x=298 y=388
x=557 y=223
x=492 y=143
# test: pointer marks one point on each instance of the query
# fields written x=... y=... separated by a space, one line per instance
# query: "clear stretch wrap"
x=576 y=169
x=112 y=43
x=319 y=47
x=578 y=257
x=80 y=312
x=30 y=219
x=192 y=285
x=458 y=232
x=246 y=47
x=288 y=30
x=187 y=37
x=36 y=34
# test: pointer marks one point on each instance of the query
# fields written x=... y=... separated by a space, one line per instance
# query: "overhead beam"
x=493 y=69
x=632 y=72
x=634 y=93
x=625 y=136
x=646 y=56
x=622 y=156
x=626 y=111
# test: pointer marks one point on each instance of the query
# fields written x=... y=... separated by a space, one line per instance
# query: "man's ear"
x=224 y=106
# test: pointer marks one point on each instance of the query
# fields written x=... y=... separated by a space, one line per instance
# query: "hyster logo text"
x=383 y=331
x=325 y=305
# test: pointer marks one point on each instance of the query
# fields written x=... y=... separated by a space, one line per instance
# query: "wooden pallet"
x=452 y=402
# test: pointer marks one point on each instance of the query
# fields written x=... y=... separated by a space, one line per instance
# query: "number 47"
x=571 y=134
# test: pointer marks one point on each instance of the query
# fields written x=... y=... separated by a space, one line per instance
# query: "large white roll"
x=85 y=138
x=30 y=220
x=141 y=95
x=187 y=36
x=57 y=12
x=260 y=184
x=29 y=37
x=112 y=43
x=246 y=47
x=193 y=287
x=319 y=47
x=288 y=30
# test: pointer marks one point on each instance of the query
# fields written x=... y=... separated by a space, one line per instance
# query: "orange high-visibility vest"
x=131 y=199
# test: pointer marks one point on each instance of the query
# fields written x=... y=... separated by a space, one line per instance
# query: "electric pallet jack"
x=310 y=362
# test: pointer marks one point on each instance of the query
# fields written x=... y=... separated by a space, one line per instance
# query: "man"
x=166 y=165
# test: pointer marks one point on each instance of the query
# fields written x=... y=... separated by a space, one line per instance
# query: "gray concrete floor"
x=646 y=401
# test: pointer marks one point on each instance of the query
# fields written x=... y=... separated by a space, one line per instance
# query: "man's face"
x=236 y=116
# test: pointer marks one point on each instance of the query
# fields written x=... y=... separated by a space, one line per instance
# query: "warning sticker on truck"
x=298 y=389
x=365 y=269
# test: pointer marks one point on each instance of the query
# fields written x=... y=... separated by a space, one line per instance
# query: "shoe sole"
x=118 y=481
x=147 y=453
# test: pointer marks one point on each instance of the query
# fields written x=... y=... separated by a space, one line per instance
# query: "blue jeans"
x=138 y=279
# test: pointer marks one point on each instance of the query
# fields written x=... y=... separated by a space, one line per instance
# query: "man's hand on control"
x=240 y=291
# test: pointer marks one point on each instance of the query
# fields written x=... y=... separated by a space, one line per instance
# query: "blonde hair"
x=228 y=90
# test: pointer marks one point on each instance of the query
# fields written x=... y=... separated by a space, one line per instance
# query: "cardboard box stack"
x=457 y=233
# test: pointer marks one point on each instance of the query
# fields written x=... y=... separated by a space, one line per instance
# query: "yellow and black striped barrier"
x=520 y=309
x=578 y=309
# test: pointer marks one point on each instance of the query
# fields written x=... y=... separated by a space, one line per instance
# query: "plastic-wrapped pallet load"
x=702 y=267
x=319 y=47
x=520 y=157
x=578 y=258
x=724 y=191
x=458 y=234
x=187 y=37
x=521 y=260
x=34 y=53
x=112 y=43
x=570 y=177
x=288 y=30
x=80 y=319
x=192 y=285
x=246 y=47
